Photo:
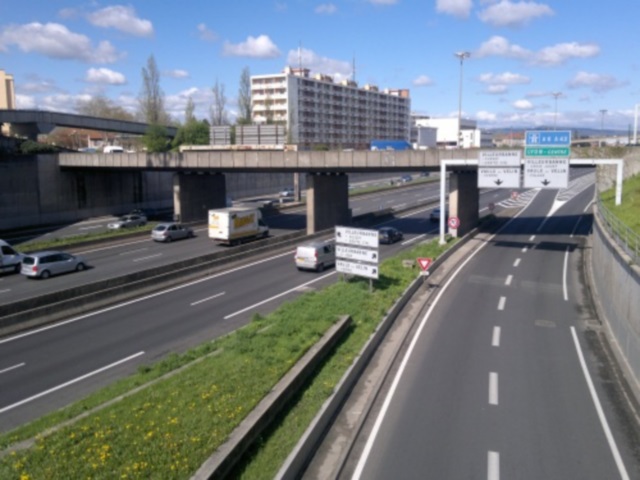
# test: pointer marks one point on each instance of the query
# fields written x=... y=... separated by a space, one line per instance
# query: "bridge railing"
x=624 y=236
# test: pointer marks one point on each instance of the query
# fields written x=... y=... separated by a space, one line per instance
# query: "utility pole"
x=555 y=115
x=461 y=56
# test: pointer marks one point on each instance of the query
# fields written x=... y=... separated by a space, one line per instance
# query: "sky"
x=563 y=63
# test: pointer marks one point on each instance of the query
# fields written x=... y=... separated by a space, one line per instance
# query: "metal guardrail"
x=624 y=236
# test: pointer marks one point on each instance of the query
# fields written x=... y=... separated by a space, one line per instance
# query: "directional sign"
x=355 y=253
x=548 y=137
x=454 y=222
x=360 y=269
x=499 y=177
x=499 y=158
x=424 y=263
x=357 y=236
x=547 y=151
x=546 y=173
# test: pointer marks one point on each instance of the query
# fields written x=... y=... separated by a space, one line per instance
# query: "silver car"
x=46 y=264
x=315 y=256
x=167 y=232
x=128 y=221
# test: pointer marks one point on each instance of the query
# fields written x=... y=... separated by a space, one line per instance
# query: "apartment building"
x=319 y=112
x=7 y=96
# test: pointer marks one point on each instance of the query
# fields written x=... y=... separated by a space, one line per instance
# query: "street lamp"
x=635 y=126
x=555 y=115
x=461 y=56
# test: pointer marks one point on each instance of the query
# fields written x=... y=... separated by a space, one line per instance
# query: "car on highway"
x=287 y=192
x=168 y=232
x=315 y=256
x=48 y=263
x=389 y=235
x=434 y=216
x=128 y=221
x=10 y=259
x=406 y=178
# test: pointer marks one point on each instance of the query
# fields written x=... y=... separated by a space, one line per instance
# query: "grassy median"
x=628 y=212
x=169 y=428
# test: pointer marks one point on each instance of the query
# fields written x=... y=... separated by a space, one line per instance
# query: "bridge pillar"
x=327 y=201
x=464 y=200
x=195 y=194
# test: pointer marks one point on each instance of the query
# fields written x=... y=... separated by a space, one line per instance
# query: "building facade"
x=447 y=132
x=7 y=96
x=319 y=112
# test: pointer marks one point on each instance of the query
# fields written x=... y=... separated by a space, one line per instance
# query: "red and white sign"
x=514 y=195
x=424 y=263
x=454 y=222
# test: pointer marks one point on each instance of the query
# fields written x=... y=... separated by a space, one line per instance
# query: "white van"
x=10 y=260
x=315 y=256
x=113 y=149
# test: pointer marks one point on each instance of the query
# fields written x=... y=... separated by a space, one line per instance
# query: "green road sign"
x=547 y=151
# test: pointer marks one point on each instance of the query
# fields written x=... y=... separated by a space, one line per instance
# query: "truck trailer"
x=235 y=225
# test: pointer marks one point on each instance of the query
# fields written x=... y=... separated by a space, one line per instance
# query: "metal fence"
x=624 y=236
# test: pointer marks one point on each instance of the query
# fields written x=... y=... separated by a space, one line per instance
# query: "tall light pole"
x=555 y=115
x=635 y=126
x=461 y=56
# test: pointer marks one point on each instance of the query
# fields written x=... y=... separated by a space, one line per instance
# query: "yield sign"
x=424 y=263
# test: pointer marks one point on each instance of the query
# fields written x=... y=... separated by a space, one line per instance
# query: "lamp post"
x=461 y=56
x=555 y=115
x=635 y=126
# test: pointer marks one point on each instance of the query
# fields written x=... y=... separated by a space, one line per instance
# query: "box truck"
x=236 y=225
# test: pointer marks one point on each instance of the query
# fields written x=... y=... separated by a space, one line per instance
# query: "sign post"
x=499 y=169
x=357 y=252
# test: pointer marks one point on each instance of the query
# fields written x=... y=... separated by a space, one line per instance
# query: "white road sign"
x=499 y=177
x=499 y=158
x=360 y=237
x=546 y=172
x=355 y=253
x=360 y=269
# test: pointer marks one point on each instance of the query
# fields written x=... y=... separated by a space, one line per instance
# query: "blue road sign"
x=548 y=137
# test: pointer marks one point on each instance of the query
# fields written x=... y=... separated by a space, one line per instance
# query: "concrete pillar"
x=194 y=194
x=464 y=201
x=327 y=201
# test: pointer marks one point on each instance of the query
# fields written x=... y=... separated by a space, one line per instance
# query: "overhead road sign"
x=360 y=269
x=357 y=236
x=355 y=253
x=548 y=138
x=546 y=173
x=499 y=158
x=547 y=151
x=498 y=177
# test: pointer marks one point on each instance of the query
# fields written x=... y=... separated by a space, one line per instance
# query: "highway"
x=499 y=380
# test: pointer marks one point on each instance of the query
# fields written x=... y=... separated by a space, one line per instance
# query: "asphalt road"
x=498 y=381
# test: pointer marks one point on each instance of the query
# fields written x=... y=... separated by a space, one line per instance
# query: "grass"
x=168 y=429
x=628 y=212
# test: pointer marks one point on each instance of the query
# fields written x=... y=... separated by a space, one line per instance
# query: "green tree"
x=244 y=98
x=156 y=139
x=194 y=132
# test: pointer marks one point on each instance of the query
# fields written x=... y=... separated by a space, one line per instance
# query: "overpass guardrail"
x=624 y=236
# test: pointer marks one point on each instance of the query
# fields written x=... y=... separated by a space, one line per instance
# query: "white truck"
x=10 y=260
x=236 y=225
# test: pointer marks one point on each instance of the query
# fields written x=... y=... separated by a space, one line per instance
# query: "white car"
x=128 y=221
x=287 y=192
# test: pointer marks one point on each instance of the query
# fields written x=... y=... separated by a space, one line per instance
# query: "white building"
x=319 y=112
x=447 y=136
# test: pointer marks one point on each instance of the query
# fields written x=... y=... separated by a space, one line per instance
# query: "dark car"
x=434 y=216
x=389 y=235
x=406 y=178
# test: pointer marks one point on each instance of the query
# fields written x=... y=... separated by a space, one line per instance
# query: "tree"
x=101 y=106
x=193 y=132
x=188 y=111
x=219 y=106
x=244 y=98
x=156 y=139
x=151 y=98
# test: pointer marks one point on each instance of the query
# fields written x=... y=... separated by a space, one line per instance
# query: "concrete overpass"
x=30 y=123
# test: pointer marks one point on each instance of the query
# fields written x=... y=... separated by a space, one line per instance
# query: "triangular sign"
x=424 y=263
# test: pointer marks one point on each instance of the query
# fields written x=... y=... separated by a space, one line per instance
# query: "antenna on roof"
x=300 y=56
x=353 y=73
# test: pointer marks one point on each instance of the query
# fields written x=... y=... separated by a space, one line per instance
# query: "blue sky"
x=521 y=53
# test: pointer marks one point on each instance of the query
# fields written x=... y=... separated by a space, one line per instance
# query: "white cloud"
x=68 y=13
x=383 y=2
x=523 y=105
x=326 y=9
x=497 y=89
x=254 y=47
x=25 y=102
x=498 y=46
x=560 y=53
x=338 y=69
x=457 y=8
x=484 y=116
x=597 y=83
x=121 y=18
x=206 y=34
x=105 y=76
x=56 y=41
x=509 y=14
x=422 y=81
x=503 y=79
x=177 y=73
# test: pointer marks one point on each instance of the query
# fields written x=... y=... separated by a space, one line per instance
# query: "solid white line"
x=493 y=466
x=387 y=401
x=507 y=282
x=588 y=206
x=564 y=275
x=70 y=382
x=5 y=291
x=208 y=298
x=8 y=369
x=517 y=262
x=414 y=239
x=401 y=205
x=495 y=339
x=89 y=228
x=501 y=303
x=596 y=401
x=493 y=388
x=141 y=259
x=277 y=296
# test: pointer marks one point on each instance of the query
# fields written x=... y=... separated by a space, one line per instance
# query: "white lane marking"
x=501 y=303
x=507 y=282
x=414 y=239
x=495 y=339
x=90 y=228
x=70 y=382
x=517 y=262
x=564 y=275
x=401 y=205
x=575 y=227
x=588 y=206
x=131 y=252
x=493 y=466
x=493 y=388
x=141 y=299
x=596 y=401
x=278 y=296
x=208 y=298
x=483 y=209
x=524 y=249
x=391 y=392
x=142 y=259
x=5 y=291
x=8 y=369
x=532 y=238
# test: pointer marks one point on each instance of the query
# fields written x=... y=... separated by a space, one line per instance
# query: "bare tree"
x=219 y=106
x=244 y=98
x=100 y=106
x=188 y=111
x=151 y=98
